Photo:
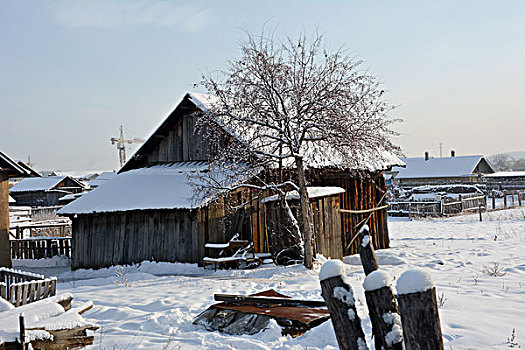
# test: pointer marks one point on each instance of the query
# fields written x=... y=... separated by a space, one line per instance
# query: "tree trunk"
x=5 y=251
x=306 y=213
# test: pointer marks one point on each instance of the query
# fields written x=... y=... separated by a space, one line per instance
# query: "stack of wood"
x=46 y=324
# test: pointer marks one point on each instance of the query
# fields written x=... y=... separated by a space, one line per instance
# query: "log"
x=367 y=252
x=22 y=332
x=341 y=305
x=419 y=311
x=232 y=298
x=382 y=308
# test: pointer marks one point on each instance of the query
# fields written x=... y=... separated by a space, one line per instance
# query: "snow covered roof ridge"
x=418 y=167
x=316 y=157
x=11 y=166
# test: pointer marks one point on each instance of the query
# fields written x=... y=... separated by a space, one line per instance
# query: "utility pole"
x=441 y=150
x=121 y=145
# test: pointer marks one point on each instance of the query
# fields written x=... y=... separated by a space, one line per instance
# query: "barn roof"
x=418 y=167
x=374 y=160
x=33 y=184
x=11 y=167
x=102 y=178
x=163 y=186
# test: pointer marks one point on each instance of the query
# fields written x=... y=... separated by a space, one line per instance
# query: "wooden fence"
x=32 y=248
x=20 y=288
x=465 y=203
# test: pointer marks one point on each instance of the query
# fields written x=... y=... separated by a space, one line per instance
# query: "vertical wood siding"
x=101 y=240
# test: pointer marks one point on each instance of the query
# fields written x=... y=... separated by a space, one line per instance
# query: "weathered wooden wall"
x=101 y=240
x=327 y=221
x=5 y=257
x=38 y=198
x=360 y=193
x=180 y=142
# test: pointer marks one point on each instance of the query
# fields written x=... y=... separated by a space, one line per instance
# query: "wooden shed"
x=150 y=211
x=8 y=168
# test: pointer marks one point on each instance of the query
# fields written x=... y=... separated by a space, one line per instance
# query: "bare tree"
x=294 y=105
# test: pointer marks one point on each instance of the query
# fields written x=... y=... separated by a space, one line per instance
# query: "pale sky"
x=72 y=71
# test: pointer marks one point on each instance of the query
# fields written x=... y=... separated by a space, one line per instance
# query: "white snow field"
x=478 y=269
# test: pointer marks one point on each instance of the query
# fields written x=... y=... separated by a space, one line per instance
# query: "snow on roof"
x=313 y=192
x=164 y=186
x=36 y=184
x=315 y=156
x=71 y=196
x=507 y=174
x=102 y=178
x=418 y=167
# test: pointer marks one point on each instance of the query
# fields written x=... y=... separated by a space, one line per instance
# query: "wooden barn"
x=44 y=191
x=150 y=211
x=8 y=169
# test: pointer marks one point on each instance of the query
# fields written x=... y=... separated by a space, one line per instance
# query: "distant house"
x=427 y=170
x=150 y=210
x=44 y=191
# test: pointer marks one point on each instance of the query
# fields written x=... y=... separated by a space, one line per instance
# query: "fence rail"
x=20 y=288
x=31 y=248
x=438 y=208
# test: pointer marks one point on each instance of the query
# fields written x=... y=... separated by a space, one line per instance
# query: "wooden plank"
x=175 y=254
x=32 y=292
x=235 y=298
x=18 y=292
x=46 y=289
x=38 y=294
x=194 y=238
x=25 y=294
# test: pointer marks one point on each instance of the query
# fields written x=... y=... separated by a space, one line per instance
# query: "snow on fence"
x=20 y=288
x=464 y=203
x=41 y=247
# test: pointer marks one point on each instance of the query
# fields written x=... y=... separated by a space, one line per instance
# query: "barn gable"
x=175 y=140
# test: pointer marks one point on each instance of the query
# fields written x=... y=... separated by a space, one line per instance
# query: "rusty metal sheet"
x=298 y=313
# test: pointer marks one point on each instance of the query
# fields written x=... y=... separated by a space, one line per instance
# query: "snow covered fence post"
x=419 y=311
x=382 y=308
x=366 y=251
x=339 y=298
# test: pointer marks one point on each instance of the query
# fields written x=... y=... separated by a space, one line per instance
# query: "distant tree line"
x=504 y=162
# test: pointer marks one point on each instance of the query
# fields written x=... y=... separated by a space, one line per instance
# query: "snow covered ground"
x=478 y=267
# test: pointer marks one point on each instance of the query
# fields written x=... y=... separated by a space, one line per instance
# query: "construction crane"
x=121 y=145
